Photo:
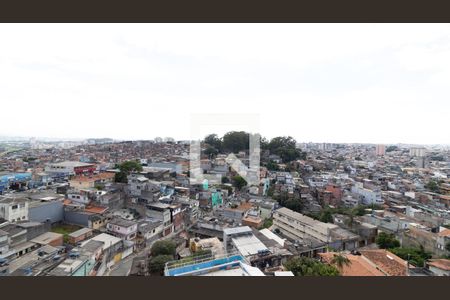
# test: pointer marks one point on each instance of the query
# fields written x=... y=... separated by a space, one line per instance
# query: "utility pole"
x=407 y=265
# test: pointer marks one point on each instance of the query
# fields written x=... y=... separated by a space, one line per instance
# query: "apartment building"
x=14 y=209
x=122 y=228
x=69 y=168
x=368 y=196
x=297 y=226
x=92 y=181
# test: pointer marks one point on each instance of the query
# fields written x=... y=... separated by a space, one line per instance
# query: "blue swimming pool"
x=204 y=265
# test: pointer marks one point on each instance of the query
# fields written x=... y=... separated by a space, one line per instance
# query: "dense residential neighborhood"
x=101 y=207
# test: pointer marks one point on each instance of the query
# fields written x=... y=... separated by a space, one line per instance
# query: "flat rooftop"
x=46 y=238
x=249 y=245
x=68 y=266
x=240 y=270
x=237 y=230
x=270 y=235
x=80 y=232
x=304 y=219
x=158 y=205
x=32 y=257
x=11 y=199
x=107 y=239
x=122 y=222
x=70 y=164
x=283 y=273
x=92 y=246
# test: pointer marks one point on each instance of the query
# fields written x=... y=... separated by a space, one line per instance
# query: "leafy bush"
x=416 y=256
x=387 y=241
x=163 y=248
x=157 y=264
x=305 y=266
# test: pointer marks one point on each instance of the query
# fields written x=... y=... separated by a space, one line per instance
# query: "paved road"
x=123 y=268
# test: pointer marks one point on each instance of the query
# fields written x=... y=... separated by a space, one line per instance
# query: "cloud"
x=379 y=83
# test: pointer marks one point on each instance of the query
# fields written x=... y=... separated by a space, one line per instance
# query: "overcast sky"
x=375 y=83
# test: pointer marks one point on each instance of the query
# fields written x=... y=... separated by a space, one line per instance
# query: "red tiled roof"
x=386 y=261
x=95 y=209
x=96 y=177
x=445 y=232
x=359 y=266
x=443 y=264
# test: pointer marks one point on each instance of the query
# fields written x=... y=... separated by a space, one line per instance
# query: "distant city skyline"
x=58 y=139
x=336 y=83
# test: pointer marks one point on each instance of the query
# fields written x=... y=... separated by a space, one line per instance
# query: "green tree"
x=235 y=141
x=270 y=191
x=157 y=264
x=272 y=166
x=239 y=182
x=121 y=177
x=432 y=186
x=206 y=252
x=340 y=261
x=163 y=248
x=437 y=158
x=214 y=141
x=130 y=166
x=226 y=187
x=305 y=266
x=391 y=148
x=292 y=203
x=211 y=151
x=285 y=147
x=125 y=169
x=387 y=241
x=326 y=216
x=416 y=256
x=267 y=223
x=351 y=219
x=359 y=210
x=264 y=144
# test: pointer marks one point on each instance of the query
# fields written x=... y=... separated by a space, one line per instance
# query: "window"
x=14 y=206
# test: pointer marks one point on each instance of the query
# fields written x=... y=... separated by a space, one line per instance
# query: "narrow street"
x=123 y=267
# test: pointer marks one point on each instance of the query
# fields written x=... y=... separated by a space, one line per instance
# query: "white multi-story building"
x=69 y=168
x=4 y=244
x=297 y=226
x=125 y=229
x=368 y=196
x=417 y=151
x=14 y=209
